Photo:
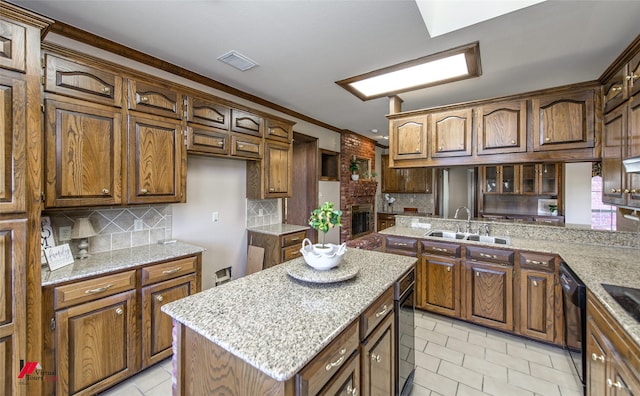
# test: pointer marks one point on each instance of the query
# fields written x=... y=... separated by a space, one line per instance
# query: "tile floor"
x=453 y=358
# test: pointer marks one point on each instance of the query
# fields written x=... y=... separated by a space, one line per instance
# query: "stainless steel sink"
x=446 y=234
x=499 y=240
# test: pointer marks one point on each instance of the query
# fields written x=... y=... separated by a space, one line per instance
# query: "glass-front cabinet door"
x=548 y=179
x=490 y=179
x=509 y=177
x=529 y=180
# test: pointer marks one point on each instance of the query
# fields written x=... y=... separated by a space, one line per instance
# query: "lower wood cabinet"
x=537 y=284
x=346 y=382
x=278 y=248
x=378 y=360
x=385 y=220
x=489 y=294
x=442 y=285
x=400 y=245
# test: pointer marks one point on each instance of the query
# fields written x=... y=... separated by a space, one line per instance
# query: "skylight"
x=448 y=66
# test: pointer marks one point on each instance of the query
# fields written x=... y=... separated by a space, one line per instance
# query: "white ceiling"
x=303 y=47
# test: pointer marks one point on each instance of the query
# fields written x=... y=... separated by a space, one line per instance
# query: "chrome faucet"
x=455 y=216
x=486 y=229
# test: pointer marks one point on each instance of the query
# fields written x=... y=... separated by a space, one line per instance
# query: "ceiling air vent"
x=237 y=60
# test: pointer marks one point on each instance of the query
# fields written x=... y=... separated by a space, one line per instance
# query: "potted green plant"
x=324 y=218
x=353 y=167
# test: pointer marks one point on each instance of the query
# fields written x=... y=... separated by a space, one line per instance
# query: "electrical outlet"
x=214 y=217
x=138 y=225
x=261 y=212
x=64 y=233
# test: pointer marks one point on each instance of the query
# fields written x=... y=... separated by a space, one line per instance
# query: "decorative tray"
x=302 y=271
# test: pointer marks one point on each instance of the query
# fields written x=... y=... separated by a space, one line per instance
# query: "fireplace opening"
x=361 y=220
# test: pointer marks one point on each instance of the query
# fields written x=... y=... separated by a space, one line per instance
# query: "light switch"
x=64 y=233
x=214 y=217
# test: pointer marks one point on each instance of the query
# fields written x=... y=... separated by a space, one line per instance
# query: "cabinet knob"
x=535 y=283
x=477 y=274
x=119 y=311
x=632 y=77
x=439 y=148
x=597 y=357
x=626 y=191
x=144 y=191
x=160 y=298
x=144 y=99
x=105 y=191
x=375 y=358
x=352 y=390
x=448 y=269
x=547 y=139
x=106 y=90
x=513 y=142
x=271 y=189
x=633 y=191
x=612 y=384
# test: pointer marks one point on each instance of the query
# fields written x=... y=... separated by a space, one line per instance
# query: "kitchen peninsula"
x=269 y=334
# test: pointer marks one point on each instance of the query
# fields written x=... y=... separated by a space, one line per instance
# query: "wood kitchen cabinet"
x=208 y=111
x=622 y=84
x=83 y=143
x=441 y=292
x=245 y=122
x=409 y=137
x=278 y=130
x=537 y=296
x=153 y=98
x=450 y=133
x=564 y=120
x=405 y=180
x=385 y=220
x=378 y=361
x=500 y=179
x=13 y=141
x=502 y=127
x=613 y=358
x=489 y=287
x=527 y=179
x=156 y=162
x=400 y=245
x=278 y=248
x=271 y=177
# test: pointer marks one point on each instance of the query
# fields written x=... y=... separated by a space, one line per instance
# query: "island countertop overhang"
x=278 y=324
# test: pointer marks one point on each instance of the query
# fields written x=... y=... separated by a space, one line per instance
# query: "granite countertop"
x=116 y=260
x=594 y=264
x=278 y=324
x=278 y=229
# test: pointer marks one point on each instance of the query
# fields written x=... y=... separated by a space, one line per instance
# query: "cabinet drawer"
x=12 y=53
x=89 y=290
x=440 y=248
x=538 y=261
x=401 y=245
x=154 y=99
x=245 y=122
x=493 y=255
x=319 y=371
x=207 y=112
x=291 y=252
x=293 y=239
x=376 y=313
x=172 y=269
x=246 y=146
x=207 y=140
x=278 y=130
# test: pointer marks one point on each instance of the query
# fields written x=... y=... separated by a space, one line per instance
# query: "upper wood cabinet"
x=278 y=130
x=82 y=81
x=83 y=154
x=409 y=138
x=208 y=112
x=13 y=157
x=207 y=140
x=622 y=85
x=271 y=177
x=502 y=127
x=450 y=133
x=154 y=99
x=564 y=120
x=13 y=51
x=245 y=122
x=539 y=179
x=500 y=179
x=405 y=180
x=157 y=161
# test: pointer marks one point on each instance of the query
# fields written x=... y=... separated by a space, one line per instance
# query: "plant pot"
x=326 y=250
x=355 y=176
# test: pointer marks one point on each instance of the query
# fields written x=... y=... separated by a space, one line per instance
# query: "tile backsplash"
x=423 y=202
x=263 y=212
x=116 y=228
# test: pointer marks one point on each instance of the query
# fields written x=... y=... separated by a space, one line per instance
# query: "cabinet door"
x=596 y=358
x=208 y=112
x=633 y=74
x=80 y=81
x=549 y=174
x=378 y=360
x=489 y=295
x=154 y=99
x=346 y=382
x=564 y=121
x=614 y=132
x=615 y=91
x=623 y=381
x=536 y=304
x=450 y=133
x=529 y=178
x=417 y=180
x=96 y=344
x=13 y=261
x=633 y=149
x=156 y=161
x=83 y=154
x=490 y=179
x=502 y=128
x=409 y=138
x=202 y=139
x=13 y=161
x=277 y=162
x=245 y=122
x=278 y=130
x=509 y=177
x=392 y=178
x=13 y=51
x=156 y=325
x=441 y=288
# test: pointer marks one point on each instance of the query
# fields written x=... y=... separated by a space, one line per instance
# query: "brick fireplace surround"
x=355 y=192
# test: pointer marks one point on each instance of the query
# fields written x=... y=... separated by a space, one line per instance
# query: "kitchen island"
x=254 y=336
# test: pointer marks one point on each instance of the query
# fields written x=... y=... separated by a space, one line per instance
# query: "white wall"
x=329 y=191
x=577 y=193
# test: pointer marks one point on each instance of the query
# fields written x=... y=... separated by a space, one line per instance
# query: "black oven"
x=574 y=304
x=404 y=297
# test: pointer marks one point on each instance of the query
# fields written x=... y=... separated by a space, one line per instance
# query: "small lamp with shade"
x=83 y=230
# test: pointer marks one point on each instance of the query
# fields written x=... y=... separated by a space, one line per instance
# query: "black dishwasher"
x=574 y=304
x=404 y=297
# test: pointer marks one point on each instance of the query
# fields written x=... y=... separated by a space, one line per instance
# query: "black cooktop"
x=627 y=297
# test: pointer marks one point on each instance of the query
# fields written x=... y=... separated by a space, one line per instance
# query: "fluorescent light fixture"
x=237 y=60
x=452 y=65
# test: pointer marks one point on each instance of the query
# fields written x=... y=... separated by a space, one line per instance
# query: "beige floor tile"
x=435 y=382
x=507 y=361
x=418 y=390
x=465 y=347
x=552 y=375
x=485 y=367
x=509 y=339
x=163 y=389
x=420 y=344
x=431 y=336
x=533 y=384
x=461 y=374
x=444 y=353
x=563 y=363
x=471 y=328
x=570 y=392
x=126 y=388
x=451 y=331
x=464 y=390
x=488 y=342
x=497 y=387
x=428 y=362
x=529 y=354
x=150 y=378
x=425 y=322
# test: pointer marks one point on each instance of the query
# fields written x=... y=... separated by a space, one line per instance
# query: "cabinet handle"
x=493 y=256
x=437 y=249
x=160 y=298
x=144 y=191
x=477 y=274
x=448 y=269
x=105 y=191
x=221 y=144
x=375 y=358
x=597 y=357
x=534 y=262
x=632 y=77
x=296 y=239
x=171 y=271
x=119 y=311
x=106 y=90
x=272 y=189
x=240 y=146
x=98 y=290
x=616 y=88
x=338 y=362
x=351 y=390
x=402 y=244
x=384 y=311
x=535 y=283
x=144 y=99
x=616 y=384
x=219 y=118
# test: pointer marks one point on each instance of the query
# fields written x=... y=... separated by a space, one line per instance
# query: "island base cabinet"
x=347 y=381
x=96 y=344
x=157 y=326
x=378 y=360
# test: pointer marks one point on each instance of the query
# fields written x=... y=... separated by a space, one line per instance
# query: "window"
x=603 y=217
